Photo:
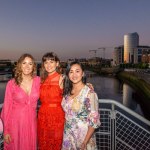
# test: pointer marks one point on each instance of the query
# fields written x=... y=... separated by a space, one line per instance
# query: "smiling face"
x=27 y=66
x=50 y=66
x=75 y=74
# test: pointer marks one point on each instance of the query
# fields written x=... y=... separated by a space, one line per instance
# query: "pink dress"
x=19 y=116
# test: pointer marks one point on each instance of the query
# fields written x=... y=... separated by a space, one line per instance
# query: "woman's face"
x=76 y=73
x=50 y=66
x=27 y=66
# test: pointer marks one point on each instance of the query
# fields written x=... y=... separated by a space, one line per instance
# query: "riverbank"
x=107 y=71
x=141 y=86
x=136 y=82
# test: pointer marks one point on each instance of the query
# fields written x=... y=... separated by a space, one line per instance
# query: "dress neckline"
x=28 y=94
x=53 y=75
x=79 y=95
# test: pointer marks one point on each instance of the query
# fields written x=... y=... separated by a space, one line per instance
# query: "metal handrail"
x=121 y=128
x=118 y=128
x=108 y=101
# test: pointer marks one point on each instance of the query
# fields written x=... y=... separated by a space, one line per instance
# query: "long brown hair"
x=18 y=71
x=49 y=56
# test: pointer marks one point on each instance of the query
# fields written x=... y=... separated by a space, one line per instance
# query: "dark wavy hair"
x=67 y=82
x=48 y=56
x=18 y=71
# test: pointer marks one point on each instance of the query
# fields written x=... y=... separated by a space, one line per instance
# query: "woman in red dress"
x=51 y=115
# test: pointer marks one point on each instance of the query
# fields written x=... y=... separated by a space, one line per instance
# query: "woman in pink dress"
x=19 y=109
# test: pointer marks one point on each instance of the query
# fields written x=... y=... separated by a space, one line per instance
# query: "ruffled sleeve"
x=7 y=106
x=93 y=107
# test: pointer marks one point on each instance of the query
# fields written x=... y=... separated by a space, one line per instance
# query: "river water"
x=112 y=88
x=106 y=88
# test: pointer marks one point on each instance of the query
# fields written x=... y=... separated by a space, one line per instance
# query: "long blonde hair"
x=18 y=71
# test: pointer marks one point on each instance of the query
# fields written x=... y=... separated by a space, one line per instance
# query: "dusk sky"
x=70 y=28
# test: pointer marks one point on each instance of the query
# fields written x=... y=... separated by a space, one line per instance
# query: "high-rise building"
x=118 y=55
x=131 y=41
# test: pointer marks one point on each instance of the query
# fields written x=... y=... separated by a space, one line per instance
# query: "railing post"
x=113 y=128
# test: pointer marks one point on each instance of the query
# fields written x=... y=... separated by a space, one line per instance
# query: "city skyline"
x=70 y=28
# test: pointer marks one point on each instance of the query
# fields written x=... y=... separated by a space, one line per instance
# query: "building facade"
x=142 y=54
x=118 y=55
x=131 y=42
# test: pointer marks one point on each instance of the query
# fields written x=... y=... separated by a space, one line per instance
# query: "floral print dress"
x=80 y=112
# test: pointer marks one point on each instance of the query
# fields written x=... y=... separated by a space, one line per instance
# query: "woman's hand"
x=83 y=146
x=87 y=138
x=7 y=138
x=90 y=86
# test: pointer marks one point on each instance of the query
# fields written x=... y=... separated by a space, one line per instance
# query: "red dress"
x=51 y=115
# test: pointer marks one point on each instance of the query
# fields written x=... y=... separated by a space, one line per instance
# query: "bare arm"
x=61 y=81
x=93 y=117
x=87 y=137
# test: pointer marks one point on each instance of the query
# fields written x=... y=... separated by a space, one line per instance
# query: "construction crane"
x=100 y=48
x=93 y=50
x=104 y=49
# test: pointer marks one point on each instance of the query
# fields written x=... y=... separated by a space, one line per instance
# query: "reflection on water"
x=129 y=98
x=112 y=88
x=107 y=88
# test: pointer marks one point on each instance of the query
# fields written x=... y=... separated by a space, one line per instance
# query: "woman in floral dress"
x=80 y=104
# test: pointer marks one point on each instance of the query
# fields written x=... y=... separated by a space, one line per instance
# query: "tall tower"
x=131 y=41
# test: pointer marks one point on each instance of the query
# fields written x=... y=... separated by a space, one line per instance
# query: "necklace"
x=77 y=98
x=75 y=105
